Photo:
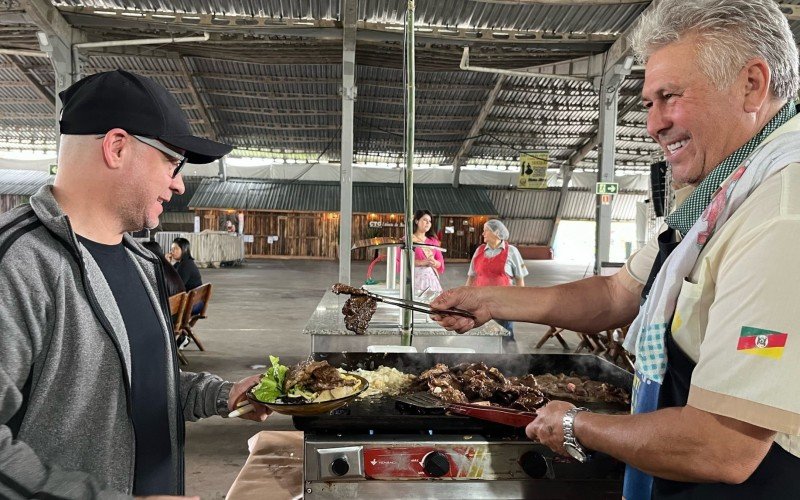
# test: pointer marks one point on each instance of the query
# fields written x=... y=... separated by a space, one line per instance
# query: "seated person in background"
x=181 y=257
x=171 y=277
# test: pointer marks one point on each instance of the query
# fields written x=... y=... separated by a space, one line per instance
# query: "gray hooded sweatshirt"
x=65 y=367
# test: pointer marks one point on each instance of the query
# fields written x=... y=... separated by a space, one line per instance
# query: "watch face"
x=575 y=453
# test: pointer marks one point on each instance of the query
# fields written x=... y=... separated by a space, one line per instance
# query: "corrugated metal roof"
x=528 y=231
x=284 y=196
x=582 y=205
x=525 y=203
x=22 y=182
x=278 y=94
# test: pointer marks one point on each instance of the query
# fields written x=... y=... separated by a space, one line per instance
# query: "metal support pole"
x=64 y=66
x=391 y=268
x=350 y=11
x=223 y=169
x=407 y=328
x=609 y=93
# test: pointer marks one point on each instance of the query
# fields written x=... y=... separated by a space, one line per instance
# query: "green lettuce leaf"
x=271 y=386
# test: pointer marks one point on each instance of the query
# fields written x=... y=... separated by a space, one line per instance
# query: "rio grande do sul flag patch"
x=761 y=342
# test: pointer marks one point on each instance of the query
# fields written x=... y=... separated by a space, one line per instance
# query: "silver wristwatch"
x=571 y=443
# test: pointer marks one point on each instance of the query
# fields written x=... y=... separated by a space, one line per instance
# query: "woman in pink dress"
x=428 y=262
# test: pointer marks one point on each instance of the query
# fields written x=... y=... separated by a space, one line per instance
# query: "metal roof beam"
x=41 y=90
x=477 y=125
x=317 y=28
x=47 y=18
x=539 y=106
x=201 y=107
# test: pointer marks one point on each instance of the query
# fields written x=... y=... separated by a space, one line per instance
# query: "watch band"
x=571 y=443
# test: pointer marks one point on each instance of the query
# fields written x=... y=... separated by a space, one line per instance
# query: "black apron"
x=778 y=475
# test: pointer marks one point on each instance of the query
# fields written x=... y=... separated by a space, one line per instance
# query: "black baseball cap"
x=137 y=104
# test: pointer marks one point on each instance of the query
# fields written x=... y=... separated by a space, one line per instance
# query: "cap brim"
x=198 y=150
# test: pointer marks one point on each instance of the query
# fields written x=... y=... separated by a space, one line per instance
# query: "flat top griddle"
x=381 y=414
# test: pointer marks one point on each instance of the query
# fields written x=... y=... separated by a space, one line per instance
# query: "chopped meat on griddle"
x=527 y=380
x=358 y=310
x=530 y=402
x=476 y=382
x=583 y=389
x=450 y=394
x=438 y=376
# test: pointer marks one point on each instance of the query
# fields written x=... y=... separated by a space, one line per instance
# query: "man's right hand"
x=469 y=298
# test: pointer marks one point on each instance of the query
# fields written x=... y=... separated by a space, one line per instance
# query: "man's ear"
x=116 y=146
x=757 y=80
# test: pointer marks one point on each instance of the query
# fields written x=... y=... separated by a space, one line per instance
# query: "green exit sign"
x=607 y=188
x=53 y=169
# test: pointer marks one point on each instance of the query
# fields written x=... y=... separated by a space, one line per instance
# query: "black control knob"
x=339 y=466
x=533 y=464
x=436 y=464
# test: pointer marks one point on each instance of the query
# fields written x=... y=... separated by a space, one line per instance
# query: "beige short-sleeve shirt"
x=737 y=312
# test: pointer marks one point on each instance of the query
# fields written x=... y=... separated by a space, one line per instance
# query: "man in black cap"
x=92 y=402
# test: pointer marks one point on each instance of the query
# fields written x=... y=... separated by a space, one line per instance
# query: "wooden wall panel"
x=317 y=234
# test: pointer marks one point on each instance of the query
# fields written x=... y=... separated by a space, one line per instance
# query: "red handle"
x=505 y=416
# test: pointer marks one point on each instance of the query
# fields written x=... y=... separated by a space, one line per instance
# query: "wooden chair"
x=616 y=353
x=592 y=342
x=200 y=295
x=553 y=333
x=177 y=309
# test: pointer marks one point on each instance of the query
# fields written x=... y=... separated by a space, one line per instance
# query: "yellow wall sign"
x=533 y=170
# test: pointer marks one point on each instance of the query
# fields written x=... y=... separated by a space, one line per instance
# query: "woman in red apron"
x=497 y=263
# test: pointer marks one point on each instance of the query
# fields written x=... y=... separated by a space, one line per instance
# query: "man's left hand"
x=260 y=413
x=548 y=427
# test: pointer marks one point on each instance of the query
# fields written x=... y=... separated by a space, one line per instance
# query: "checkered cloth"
x=687 y=214
x=650 y=326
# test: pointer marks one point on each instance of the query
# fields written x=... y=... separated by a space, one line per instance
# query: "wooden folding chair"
x=553 y=333
x=197 y=296
x=177 y=309
x=592 y=342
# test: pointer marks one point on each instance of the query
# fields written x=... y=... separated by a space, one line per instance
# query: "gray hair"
x=731 y=32
x=498 y=228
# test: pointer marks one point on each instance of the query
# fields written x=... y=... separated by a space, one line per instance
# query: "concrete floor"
x=261 y=308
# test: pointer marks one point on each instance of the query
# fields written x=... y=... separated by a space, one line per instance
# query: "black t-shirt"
x=153 y=473
x=189 y=273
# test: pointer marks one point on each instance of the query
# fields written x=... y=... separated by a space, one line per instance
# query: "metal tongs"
x=406 y=304
x=505 y=416
x=417 y=306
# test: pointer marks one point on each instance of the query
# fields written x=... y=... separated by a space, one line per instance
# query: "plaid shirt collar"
x=684 y=217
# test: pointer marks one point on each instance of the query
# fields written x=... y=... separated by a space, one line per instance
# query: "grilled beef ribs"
x=357 y=313
x=341 y=288
x=358 y=309
x=315 y=376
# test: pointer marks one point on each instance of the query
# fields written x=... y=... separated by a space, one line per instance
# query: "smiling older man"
x=717 y=337
x=92 y=403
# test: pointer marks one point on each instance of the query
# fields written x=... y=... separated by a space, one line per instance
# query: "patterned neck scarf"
x=687 y=214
